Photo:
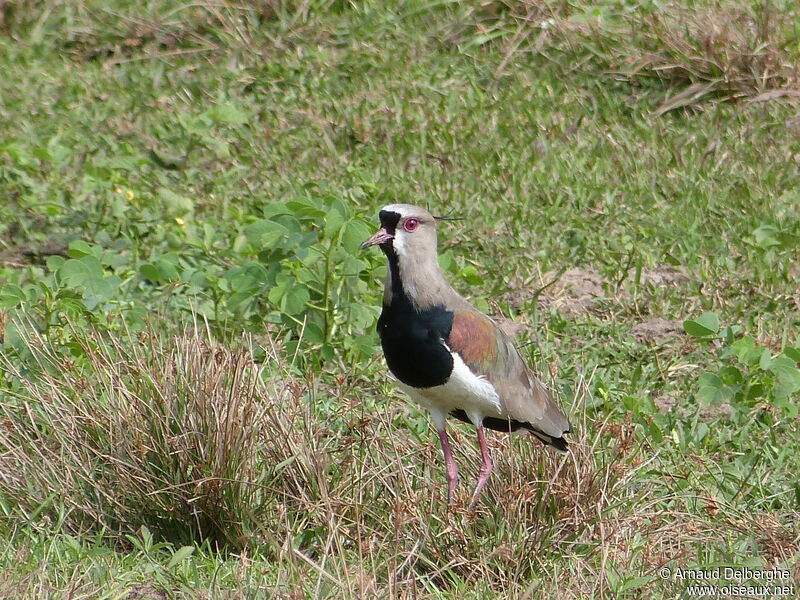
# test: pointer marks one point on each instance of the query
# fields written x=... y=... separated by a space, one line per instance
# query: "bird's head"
x=408 y=239
x=407 y=231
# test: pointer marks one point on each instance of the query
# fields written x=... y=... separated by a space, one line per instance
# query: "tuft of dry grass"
x=151 y=431
x=725 y=52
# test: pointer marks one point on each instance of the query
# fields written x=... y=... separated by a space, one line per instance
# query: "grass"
x=192 y=399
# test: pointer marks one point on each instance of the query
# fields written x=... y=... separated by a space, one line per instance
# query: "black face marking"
x=412 y=342
x=389 y=220
x=509 y=425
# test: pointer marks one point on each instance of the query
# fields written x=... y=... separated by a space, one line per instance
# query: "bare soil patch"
x=576 y=292
x=657 y=330
x=664 y=275
x=146 y=591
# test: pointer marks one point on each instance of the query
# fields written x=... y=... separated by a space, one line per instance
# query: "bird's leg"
x=486 y=468
x=450 y=463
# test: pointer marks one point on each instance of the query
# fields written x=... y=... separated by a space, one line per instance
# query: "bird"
x=448 y=356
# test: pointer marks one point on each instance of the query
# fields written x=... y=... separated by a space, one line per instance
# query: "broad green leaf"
x=447 y=262
x=265 y=234
x=167 y=270
x=295 y=299
x=352 y=266
x=99 y=290
x=79 y=249
x=291 y=223
x=75 y=272
x=174 y=204
x=72 y=306
x=313 y=334
x=235 y=301
x=730 y=375
x=712 y=390
x=700 y=432
x=765 y=236
x=118 y=206
x=730 y=332
x=793 y=353
x=787 y=374
x=471 y=276
x=705 y=325
x=363 y=316
x=765 y=360
x=305 y=208
x=755 y=391
x=246 y=279
x=355 y=233
x=333 y=222
x=11 y=296
x=54 y=262
x=150 y=272
x=283 y=283
x=274 y=209
x=746 y=350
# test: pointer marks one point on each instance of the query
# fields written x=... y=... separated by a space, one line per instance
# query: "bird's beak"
x=380 y=237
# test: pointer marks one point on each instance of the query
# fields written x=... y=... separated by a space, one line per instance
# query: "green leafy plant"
x=748 y=374
x=297 y=266
x=306 y=274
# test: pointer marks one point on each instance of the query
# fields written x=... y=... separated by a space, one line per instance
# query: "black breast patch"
x=412 y=343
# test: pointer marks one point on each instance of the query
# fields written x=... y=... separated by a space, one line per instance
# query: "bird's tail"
x=559 y=443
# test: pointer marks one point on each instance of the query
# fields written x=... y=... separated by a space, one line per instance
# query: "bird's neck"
x=421 y=286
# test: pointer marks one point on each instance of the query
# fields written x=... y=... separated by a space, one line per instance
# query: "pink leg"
x=486 y=468
x=452 y=469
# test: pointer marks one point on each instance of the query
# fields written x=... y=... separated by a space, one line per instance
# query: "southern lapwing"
x=448 y=356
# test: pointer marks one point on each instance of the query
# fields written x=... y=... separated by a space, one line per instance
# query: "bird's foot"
x=485 y=472
x=478 y=489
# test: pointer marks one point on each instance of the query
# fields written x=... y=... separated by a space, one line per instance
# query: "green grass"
x=185 y=185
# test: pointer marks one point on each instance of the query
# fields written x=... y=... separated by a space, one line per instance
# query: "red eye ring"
x=411 y=224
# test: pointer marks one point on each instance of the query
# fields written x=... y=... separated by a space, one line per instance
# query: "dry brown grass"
x=718 y=51
x=725 y=52
x=144 y=432
x=190 y=438
x=186 y=437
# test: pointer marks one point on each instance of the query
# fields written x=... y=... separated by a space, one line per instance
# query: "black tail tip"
x=559 y=444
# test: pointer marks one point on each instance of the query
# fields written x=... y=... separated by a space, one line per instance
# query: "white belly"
x=474 y=394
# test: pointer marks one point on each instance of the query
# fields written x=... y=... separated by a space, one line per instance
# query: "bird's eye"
x=411 y=224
